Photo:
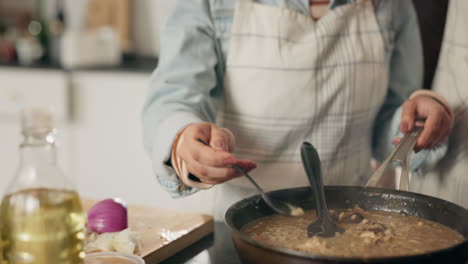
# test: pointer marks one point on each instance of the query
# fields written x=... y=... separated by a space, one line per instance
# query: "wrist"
x=180 y=167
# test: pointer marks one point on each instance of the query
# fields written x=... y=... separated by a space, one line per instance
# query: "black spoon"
x=323 y=226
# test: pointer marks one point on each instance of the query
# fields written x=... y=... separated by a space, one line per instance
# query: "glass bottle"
x=41 y=218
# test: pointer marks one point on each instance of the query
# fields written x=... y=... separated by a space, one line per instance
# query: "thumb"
x=232 y=140
x=221 y=139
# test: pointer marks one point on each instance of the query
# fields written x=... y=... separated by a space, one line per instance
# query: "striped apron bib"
x=291 y=79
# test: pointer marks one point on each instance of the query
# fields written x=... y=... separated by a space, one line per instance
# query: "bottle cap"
x=37 y=121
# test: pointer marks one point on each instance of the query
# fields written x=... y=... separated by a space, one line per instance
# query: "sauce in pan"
x=368 y=234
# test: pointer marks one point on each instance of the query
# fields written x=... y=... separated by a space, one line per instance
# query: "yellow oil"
x=42 y=226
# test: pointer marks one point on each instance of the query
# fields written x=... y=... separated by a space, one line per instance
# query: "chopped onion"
x=108 y=216
x=124 y=242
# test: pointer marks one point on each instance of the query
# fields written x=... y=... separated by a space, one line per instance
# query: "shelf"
x=135 y=64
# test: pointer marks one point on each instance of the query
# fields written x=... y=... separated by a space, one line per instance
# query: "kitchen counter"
x=130 y=64
x=164 y=233
x=212 y=249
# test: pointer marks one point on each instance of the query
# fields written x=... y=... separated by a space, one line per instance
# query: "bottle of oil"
x=41 y=218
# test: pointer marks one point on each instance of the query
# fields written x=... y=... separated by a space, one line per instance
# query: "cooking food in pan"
x=368 y=234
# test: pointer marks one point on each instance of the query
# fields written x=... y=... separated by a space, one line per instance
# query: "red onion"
x=108 y=216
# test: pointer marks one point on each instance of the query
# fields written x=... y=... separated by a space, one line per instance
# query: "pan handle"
x=400 y=155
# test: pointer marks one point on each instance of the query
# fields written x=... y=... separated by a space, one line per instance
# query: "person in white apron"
x=288 y=78
x=448 y=178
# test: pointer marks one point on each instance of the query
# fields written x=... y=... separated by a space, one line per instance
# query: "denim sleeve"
x=181 y=88
x=405 y=77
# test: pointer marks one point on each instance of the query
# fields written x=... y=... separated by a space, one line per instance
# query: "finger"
x=436 y=139
x=220 y=139
x=198 y=131
x=419 y=123
x=443 y=131
x=408 y=116
x=232 y=140
x=192 y=149
x=205 y=171
x=243 y=164
x=439 y=133
x=212 y=175
x=190 y=146
x=430 y=130
x=396 y=141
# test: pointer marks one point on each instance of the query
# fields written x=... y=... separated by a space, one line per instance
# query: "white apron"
x=449 y=179
x=290 y=79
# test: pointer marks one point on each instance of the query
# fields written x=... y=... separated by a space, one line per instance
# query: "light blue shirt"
x=186 y=87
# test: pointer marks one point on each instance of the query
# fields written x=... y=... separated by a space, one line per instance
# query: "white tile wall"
x=18 y=92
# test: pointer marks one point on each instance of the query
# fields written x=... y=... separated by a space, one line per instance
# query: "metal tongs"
x=400 y=155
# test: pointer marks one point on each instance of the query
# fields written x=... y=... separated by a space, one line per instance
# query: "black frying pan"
x=340 y=197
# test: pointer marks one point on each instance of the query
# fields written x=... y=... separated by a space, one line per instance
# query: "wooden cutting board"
x=164 y=232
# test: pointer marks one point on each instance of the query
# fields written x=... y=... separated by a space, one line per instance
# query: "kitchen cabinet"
x=148 y=16
x=100 y=138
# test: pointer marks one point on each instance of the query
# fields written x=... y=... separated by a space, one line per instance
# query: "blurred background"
x=135 y=25
x=89 y=61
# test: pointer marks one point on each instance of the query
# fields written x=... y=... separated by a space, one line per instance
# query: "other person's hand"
x=437 y=120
